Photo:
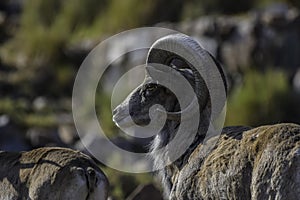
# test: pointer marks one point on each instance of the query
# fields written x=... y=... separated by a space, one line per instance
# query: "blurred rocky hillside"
x=43 y=43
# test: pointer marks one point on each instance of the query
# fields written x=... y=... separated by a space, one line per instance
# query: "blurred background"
x=43 y=43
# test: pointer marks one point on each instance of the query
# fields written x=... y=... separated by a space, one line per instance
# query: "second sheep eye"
x=149 y=89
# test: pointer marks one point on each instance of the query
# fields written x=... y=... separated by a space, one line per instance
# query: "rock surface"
x=51 y=173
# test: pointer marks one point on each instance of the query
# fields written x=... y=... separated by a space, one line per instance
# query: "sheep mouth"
x=121 y=117
x=123 y=121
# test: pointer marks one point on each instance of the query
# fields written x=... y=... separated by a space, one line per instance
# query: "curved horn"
x=183 y=47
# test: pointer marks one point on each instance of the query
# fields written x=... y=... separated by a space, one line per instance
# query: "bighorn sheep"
x=245 y=163
x=50 y=173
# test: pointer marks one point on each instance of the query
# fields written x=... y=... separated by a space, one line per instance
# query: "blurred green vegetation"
x=46 y=27
x=262 y=98
x=39 y=62
x=24 y=115
x=103 y=110
x=196 y=8
x=122 y=184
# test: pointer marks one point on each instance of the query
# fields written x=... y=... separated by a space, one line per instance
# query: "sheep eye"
x=151 y=87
